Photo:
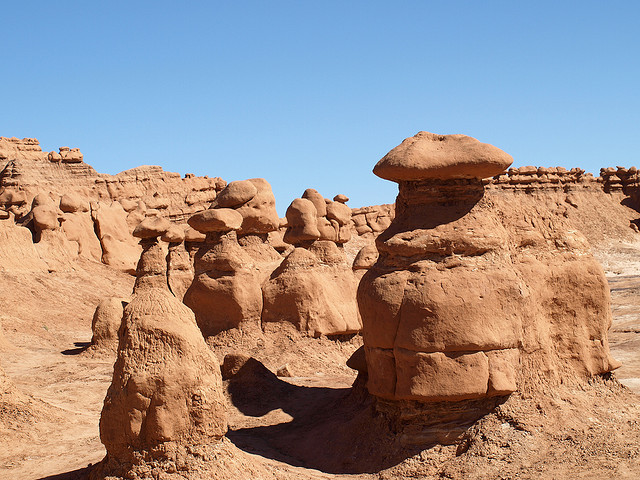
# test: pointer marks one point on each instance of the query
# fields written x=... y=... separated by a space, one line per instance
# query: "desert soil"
x=51 y=429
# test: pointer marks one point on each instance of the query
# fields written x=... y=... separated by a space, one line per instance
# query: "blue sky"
x=313 y=94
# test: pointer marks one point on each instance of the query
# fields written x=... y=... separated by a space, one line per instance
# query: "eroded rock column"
x=466 y=303
x=166 y=392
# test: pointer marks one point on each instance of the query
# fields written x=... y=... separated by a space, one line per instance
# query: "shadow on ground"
x=80 y=347
x=335 y=430
x=79 y=474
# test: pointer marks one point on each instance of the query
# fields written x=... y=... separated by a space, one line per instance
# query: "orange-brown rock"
x=468 y=300
x=166 y=392
x=235 y=258
x=314 y=289
x=225 y=292
x=432 y=156
x=216 y=220
x=26 y=171
x=106 y=322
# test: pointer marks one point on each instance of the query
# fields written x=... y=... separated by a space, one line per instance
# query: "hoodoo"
x=473 y=296
x=314 y=288
x=166 y=393
x=235 y=258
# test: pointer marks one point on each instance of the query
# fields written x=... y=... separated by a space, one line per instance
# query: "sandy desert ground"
x=53 y=431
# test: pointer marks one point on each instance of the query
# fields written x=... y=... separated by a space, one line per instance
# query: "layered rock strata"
x=99 y=211
x=474 y=296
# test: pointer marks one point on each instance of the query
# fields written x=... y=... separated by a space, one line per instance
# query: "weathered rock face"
x=17 y=251
x=97 y=212
x=166 y=391
x=225 y=292
x=314 y=287
x=474 y=296
x=106 y=323
x=235 y=258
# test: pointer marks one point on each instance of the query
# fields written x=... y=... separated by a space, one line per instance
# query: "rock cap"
x=216 y=220
x=152 y=227
x=428 y=156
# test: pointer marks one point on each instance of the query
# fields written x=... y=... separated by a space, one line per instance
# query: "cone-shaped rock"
x=166 y=391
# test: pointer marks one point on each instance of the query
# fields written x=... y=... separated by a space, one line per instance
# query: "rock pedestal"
x=467 y=300
x=235 y=257
x=166 y=392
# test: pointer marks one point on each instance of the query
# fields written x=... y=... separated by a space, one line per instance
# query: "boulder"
x=106 y=322
x=216 y=220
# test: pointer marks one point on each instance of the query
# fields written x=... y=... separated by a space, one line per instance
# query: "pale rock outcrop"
x=166 y=394
x=314 y=287
x=52 y=245
x=17 y=251
x=119 y=248
x=106 y=322
x=26 y=171
x=473 y=295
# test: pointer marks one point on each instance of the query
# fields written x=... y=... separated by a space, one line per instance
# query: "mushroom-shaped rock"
x=341 y=198
x=259 y=214
x=430 y=156
x=166 y=391
x=151 y=227
x=455 y=308
x=236 y=193
x=216 y=220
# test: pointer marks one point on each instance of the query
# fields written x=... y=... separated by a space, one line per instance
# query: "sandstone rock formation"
x=106 y=322
x=166 y=393
x=314 y=287
x=179 y=265
x=96 y=212
x=235 y=258
x=473 y=295
x=17 y=251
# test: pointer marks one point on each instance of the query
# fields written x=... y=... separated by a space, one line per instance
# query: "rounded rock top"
x=216 y=220
x=427 y=156
x=174 y=234
x=152 y=227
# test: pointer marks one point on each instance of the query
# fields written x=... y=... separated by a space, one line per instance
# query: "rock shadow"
x=79 y=474
x=80 y=347
x=334 y=430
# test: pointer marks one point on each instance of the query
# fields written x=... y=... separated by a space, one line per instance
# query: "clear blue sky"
x=313 y=93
